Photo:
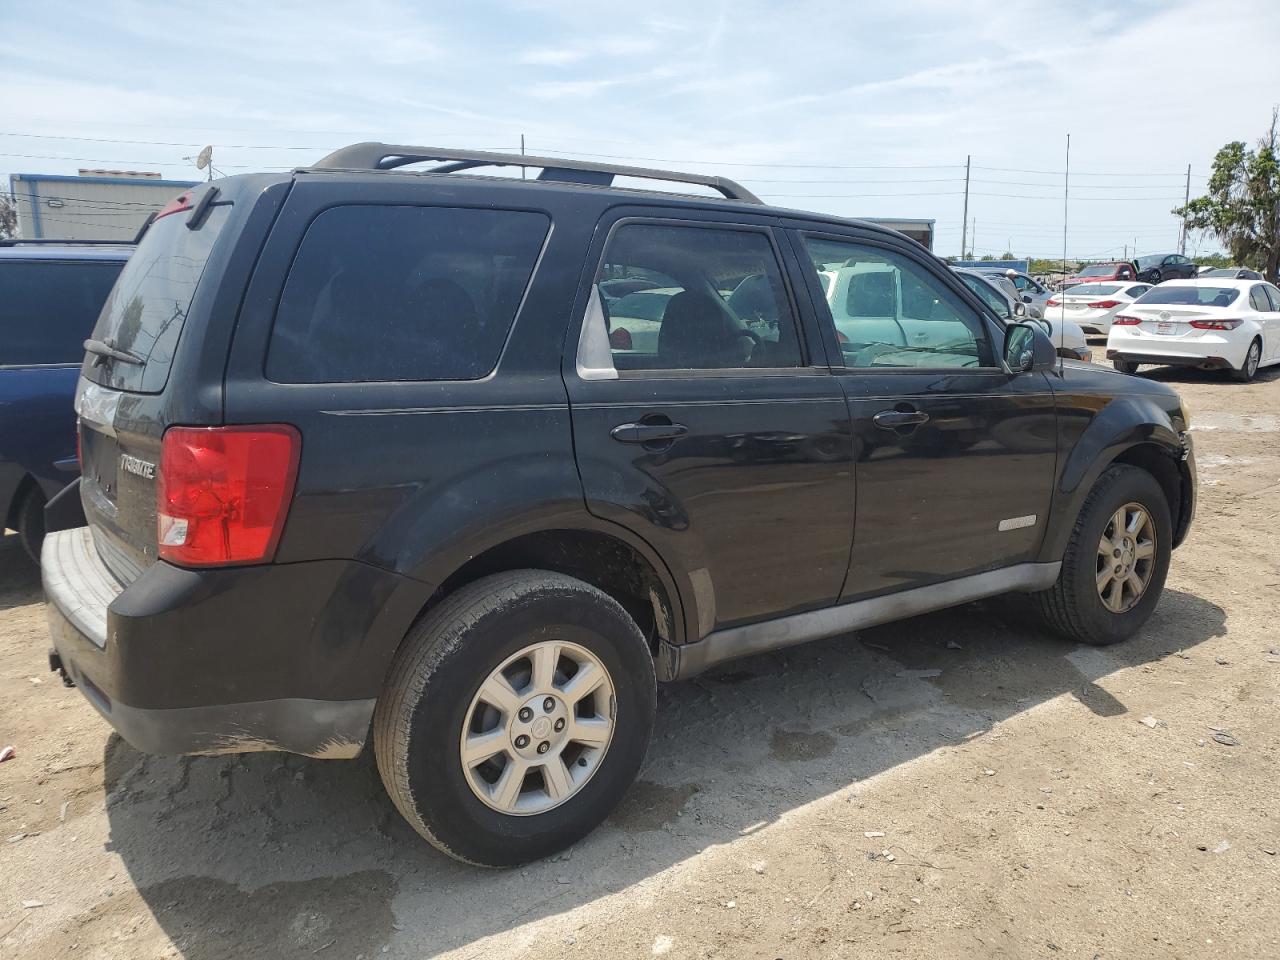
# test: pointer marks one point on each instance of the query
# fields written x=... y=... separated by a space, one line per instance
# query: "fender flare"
x=1124 y=424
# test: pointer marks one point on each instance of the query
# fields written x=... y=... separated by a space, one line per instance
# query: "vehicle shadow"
x=1195 y=375
x=19 y=576
x=281 y=856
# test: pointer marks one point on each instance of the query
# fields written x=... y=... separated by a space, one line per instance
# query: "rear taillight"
x=1104 y=304
x=1122 y=321
x=177 y=205
x=223 y=493
x=1053 y=303
x=1216 y=324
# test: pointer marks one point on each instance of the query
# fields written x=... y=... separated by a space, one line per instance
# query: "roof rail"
x=44 y=241
x=383 y=156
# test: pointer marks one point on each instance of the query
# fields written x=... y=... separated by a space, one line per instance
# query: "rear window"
x=1093 y=289
x=148 y=306
x=1191 y=296
x=48 y=308
x=403 y=293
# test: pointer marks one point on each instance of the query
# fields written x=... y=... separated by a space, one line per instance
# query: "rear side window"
x=148 y=307
x=1258 y=299
x=48 y=308
x=403 y=293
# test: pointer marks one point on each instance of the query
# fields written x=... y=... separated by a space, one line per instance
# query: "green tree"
x=1242 y=203
x=8 y=217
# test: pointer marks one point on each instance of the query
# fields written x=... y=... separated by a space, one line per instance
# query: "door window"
x=48 y=308
x=717 y=300
x=1274 y=294
x=889 y=311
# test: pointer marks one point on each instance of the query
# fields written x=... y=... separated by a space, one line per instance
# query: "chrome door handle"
x=648 y=432
x=893 y=419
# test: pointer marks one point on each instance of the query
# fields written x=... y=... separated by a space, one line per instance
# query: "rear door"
x=720 y=437
x=954 y=457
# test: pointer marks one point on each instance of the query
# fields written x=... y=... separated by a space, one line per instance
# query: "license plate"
x=1166 y=328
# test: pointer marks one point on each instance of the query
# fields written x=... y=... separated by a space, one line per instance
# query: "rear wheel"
x=1125 y=366
x=30 y=521
x=1251 y=360
x=1116 y=561
x=516 y=715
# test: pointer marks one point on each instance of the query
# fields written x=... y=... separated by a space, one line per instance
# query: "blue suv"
x=50 y=296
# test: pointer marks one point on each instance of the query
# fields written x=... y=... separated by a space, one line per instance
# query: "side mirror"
x=1027 y=298
x=1028 y=349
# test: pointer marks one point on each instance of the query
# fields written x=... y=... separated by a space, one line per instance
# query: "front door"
x=707 y=421
x=954 y=457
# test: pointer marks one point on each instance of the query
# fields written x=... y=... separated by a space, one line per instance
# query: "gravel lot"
x=1033 y=799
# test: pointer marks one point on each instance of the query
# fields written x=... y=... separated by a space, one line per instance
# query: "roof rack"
x=19 y=242
x=383 y=156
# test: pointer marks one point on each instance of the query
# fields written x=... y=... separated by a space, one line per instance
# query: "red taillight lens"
x=841 y=338
x=1104 y=304
x=223 y=493
x=1216 y=324
x=1122 y=321
x=177 y=205
x=620 y=338
x=1053 y=303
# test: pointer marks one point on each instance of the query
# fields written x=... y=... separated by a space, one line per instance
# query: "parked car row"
x=1152 y=269
x=1208 y=323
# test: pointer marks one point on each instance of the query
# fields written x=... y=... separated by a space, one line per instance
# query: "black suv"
x=367 y=456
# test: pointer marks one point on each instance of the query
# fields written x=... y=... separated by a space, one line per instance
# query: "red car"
x=1097 y=272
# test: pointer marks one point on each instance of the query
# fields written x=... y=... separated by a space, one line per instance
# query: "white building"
x=96 y=205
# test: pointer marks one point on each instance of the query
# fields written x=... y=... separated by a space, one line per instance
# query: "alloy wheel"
x=538 y=728
x=1126 y=558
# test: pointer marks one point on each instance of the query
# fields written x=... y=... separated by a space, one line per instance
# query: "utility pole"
x=964 y=220
x=522 y=154
x=1182 y=243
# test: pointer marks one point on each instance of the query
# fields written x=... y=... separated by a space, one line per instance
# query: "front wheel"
x=516 y=715
x=1249 y=369
x=1116 y=561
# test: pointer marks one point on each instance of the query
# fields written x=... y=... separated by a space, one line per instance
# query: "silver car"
x=1027 y=289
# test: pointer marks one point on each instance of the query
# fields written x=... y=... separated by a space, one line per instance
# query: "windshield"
x=1191 y=296
x=1093 y=289
x=1097 y=270
x=1151 y=261
x=148 y=305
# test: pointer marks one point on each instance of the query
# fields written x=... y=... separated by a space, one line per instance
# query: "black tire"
x=1251 y=361
x=1125 y=366
x=1072 y=607
x=30 y=521
x=442 y=663
x=1156 y=277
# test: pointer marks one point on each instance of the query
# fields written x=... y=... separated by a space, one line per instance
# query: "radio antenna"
x=1066 y=193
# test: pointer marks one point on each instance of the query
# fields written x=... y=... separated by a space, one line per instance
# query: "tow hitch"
x=55 y=665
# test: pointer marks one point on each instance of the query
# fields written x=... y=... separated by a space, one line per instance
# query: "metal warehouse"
x=96 y=205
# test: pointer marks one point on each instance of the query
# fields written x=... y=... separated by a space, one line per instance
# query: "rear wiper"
x=105 y=350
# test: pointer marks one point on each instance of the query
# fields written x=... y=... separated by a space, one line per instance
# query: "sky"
x=844 y=108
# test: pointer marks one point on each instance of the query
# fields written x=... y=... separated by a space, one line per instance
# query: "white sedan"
x=1094 y=305
x=1212 y=324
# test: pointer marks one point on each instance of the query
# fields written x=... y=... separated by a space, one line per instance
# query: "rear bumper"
x=1209 y=352
x=226 y=661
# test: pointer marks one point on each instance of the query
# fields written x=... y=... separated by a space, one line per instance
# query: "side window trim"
x=593 y=359
x=991 y=325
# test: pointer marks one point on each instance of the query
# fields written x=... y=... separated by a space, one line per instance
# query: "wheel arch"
x=1135 y=431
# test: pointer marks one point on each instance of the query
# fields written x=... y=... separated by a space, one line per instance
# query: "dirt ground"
x=1031 y=799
